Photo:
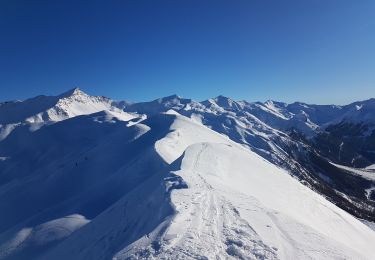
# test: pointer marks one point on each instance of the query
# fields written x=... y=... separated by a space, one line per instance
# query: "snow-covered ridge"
x=203 y=196
x=165 y=180
x=307 y=118
x=281 y=116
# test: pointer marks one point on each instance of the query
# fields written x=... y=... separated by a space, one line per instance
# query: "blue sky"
x=316 y=51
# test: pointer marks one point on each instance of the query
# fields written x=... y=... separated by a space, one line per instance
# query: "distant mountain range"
x=310 y=141
x=87 y=177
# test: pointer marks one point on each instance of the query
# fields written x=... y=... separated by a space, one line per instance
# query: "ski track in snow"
x=203 y=215
x=214 y=221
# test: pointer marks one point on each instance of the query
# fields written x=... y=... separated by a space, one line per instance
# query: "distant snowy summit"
x=41 y=110
x=86 y=177
x=53 y=108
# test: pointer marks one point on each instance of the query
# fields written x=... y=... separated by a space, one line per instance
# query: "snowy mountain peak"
x=159 y=105
x=73 y=92
x=38 y=111
x=275 y=103
x=222 y=102
x=170 y=99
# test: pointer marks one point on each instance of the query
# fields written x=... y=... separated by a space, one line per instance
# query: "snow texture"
x=81 y=179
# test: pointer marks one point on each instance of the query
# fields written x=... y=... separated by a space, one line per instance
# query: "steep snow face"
x=36 y=112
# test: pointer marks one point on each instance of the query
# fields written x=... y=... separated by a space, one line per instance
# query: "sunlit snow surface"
x=112 y=185
x=238 y=205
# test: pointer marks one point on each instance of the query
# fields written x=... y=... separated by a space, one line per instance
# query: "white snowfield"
x=240 y=206
x=165 y=187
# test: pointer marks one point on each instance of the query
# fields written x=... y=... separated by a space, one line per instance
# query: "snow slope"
x=203 y=197
x=99 y=183
x=238 y=205
x=301 y=138
x=79 y=167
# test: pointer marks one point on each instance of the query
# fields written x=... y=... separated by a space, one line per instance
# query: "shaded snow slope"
x=78 y=166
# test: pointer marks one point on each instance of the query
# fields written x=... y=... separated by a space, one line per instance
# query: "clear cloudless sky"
x=316 y=51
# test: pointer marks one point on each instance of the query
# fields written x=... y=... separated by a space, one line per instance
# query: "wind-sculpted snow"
x=150 y=183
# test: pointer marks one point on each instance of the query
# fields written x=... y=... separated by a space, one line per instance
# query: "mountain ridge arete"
x=87 y=177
